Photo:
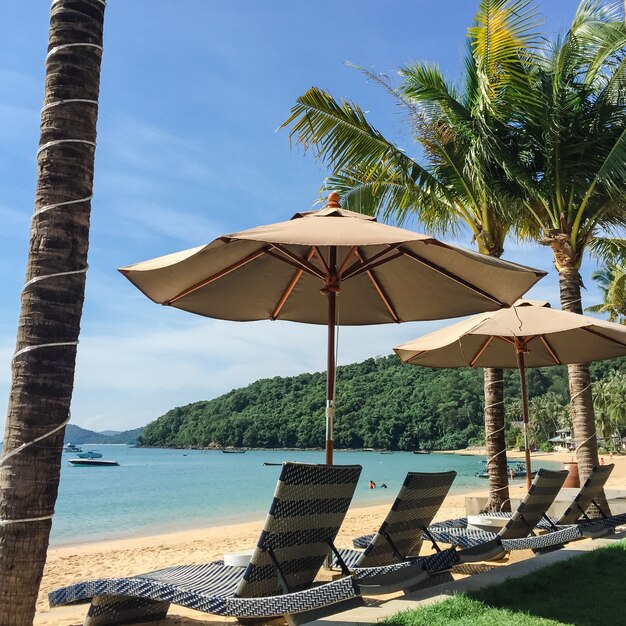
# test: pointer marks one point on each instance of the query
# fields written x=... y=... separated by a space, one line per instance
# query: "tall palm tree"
x=43 y=367
x=464 y=181
x=571 y=124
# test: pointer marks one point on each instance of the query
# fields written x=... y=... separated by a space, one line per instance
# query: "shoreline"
x=166 y=531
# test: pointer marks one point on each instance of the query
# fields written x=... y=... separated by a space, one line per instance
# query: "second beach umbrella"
x=528 y=334
x=382 y=274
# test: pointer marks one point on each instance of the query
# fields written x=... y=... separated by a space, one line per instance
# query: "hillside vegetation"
x=380 y=404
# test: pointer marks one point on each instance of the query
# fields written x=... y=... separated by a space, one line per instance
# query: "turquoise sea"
x=157 y=490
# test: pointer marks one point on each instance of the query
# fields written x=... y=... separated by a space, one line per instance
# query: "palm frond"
x=394 y=198
x=424 y=84
x=503 y=42
x=339 y=133
x=609 y=249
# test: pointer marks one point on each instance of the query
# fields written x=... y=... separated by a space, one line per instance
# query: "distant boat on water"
x=90 y=454
x=516 y=469
x=421 y=451
x=387 y=452
x=92 y=462
x=232 y=451
x=71 y=447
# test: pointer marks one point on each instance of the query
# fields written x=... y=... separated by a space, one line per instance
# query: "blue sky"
x=191 y=96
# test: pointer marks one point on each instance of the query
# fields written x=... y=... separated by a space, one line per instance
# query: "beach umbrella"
x=377 y=273
x=528 y=334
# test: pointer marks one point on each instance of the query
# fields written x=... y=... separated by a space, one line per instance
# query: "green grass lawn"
x=587 y=590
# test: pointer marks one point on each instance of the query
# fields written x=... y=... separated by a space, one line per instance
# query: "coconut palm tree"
x=571 y=124
x=43 y=367
x=462 y=182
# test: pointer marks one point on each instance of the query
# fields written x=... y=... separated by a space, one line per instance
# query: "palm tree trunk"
x=51 y=307
x=581 y=400
x=495 y=442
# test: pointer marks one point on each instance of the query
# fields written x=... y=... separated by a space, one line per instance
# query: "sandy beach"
x=69 y=564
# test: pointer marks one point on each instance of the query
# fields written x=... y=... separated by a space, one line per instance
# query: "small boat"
x=516 y=469
x=92 y=462
x=387 y=452
x=233 y=451
x=71 y=447
x=268 y=463
x=421 y=451
x=515 y=475
x=90 y=454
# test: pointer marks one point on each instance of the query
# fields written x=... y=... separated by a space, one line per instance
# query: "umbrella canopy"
x=381 y=274
x=528 y=334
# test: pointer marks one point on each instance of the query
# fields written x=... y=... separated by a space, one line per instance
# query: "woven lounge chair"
x=400 y=537
x=576 y=513
x=308 y=508
x=589 y=496
x=519 y=532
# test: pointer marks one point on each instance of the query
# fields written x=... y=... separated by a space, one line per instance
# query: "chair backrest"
x=310 y=503
x=540 y=496
x=401 y=534
x=591 y=491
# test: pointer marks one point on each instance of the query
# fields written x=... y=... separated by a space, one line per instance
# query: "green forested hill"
x=380 y=404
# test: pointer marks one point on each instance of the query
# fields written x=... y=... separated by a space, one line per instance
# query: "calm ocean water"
x=155 y=491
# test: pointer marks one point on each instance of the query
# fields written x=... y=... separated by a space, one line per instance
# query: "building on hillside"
x=563 y=441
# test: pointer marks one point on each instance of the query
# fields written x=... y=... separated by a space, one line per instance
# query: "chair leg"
x=297 y=619
x=112 y=610
x=432 y=580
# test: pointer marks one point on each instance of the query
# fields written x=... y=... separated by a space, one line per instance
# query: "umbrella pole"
x=521 y=366
x=330 y=378
x=331 y=289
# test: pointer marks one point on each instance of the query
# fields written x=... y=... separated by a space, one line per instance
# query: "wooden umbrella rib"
x=227 y=270
x=481 y=350
x=353 y=250
x=369 y=265
x=293 y=259
x=599 y=334
x=451 y=276
x=380 y=292
x=550 y=350
x=361 y=266
x=506 y=339
x=294 y=281
x=315 y=250
x=415 y=356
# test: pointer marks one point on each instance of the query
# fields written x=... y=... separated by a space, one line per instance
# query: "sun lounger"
x=589 y=497
x=400 y=537
x=308 y=508
x=576 y=513
x=520 y=530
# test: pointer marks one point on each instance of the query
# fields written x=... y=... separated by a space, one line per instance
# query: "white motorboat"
x=92 y=462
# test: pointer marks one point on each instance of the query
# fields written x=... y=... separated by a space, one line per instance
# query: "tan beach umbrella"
x=528 y=334
x=382 y=274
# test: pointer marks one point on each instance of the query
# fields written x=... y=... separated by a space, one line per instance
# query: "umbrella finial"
x=333 y=200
